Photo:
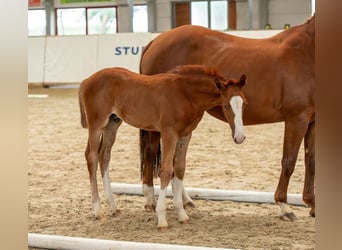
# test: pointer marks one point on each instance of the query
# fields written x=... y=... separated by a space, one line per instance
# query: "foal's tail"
x=84 y=122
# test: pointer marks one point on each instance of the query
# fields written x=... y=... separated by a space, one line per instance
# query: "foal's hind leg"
x=107 y=141
x=91 y=155
x=149 y=144
x=179 y=164
x=309 y=183
x=294 y=134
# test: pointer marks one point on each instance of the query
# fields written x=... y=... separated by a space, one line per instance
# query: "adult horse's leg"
x=309 y=187
x=107 y=141
x=179 y=164
x=294 y=134
x=149 y=153
x=169 y=142
x=91 y=155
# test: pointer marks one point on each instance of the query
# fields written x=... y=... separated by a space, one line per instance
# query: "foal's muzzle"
x=239 y=139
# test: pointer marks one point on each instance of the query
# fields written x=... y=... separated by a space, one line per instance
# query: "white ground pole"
x=212 y=194
x=37 y=96
x=78 y=243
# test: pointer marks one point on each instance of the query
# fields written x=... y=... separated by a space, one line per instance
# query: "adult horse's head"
x=233 y=102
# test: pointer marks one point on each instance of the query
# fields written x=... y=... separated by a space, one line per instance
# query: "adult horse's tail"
x=84 y=122
x=146 y=140
x=149 y=151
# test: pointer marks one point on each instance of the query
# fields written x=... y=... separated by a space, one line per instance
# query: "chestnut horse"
x=172 y=104
x=281 y=70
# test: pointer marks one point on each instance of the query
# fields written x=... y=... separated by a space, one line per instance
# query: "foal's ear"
x=219 y=84
x=243 y=81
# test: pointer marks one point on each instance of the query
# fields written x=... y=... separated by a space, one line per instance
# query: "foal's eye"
x=226 y=106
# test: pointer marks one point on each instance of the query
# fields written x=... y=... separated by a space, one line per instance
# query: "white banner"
x=70 y=58
x=122 y=50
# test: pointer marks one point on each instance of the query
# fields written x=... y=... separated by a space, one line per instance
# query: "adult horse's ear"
x=243 y=81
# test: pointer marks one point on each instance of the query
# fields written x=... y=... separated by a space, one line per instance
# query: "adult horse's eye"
x=227 y=106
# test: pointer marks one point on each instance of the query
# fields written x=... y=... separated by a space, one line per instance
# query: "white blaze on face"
x=236 y=103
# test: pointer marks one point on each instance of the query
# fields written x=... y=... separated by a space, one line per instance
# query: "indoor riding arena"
x=68 y=42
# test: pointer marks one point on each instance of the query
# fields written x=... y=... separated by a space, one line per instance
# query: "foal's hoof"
x=184 y=222
x=288 y=217
x=117 y=212
x=150 y=208
x=189 y=205
x=99 y=217
x=163 y=229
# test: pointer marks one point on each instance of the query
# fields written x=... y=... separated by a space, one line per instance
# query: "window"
x=199 y=13
x=101 y=20
x=36 y=23
x=312 y=7
x=140 y=20
x=71 y=21
x=210 y=14
x=218 y=15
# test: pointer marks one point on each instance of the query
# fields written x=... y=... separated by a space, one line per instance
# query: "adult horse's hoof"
x=189 y=205
x=288 y=217
x=150 y=208
x=312 y=212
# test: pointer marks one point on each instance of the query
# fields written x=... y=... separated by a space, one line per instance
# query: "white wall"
x=293 y=12
x=70 y=59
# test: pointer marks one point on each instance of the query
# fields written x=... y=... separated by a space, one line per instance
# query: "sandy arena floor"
x=59 y=190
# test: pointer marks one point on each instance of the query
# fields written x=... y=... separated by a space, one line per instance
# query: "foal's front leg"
x=169 y=141
x=179 y=200
x=107 y=141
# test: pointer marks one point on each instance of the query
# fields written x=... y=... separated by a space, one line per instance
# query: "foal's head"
x=233 y=102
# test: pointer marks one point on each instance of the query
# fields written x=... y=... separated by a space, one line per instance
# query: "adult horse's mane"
x=195 y=70
x=310 y=18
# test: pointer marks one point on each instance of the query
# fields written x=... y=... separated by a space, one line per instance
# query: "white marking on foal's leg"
x=108 y=192
x=148 y=192
x=236 y=103
x=161 y=209
x=285 y=212
x=187 y=201
x=97 y=209
x=177 y=186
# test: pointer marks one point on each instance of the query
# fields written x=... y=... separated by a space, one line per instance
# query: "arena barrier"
x=78 y=243
x=63 y=60
x=212 y=194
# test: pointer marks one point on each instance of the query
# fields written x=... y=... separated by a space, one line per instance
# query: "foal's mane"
x=195 y=70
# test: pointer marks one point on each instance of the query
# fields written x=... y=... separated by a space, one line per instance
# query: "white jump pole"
x=78 y=243
x=212 y=194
